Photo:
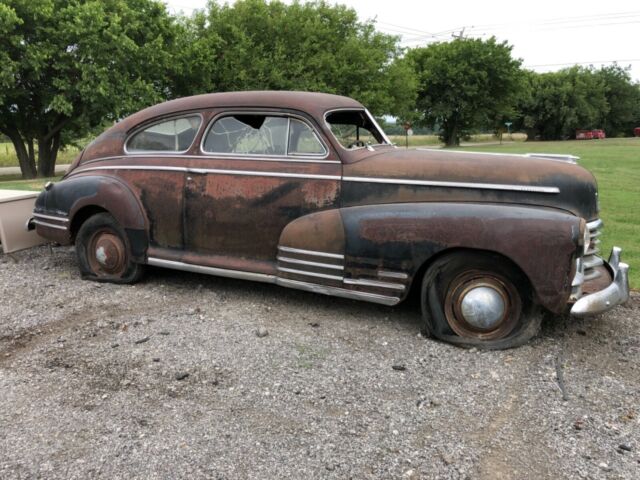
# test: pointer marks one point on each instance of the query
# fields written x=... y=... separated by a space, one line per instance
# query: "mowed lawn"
x=616 y=165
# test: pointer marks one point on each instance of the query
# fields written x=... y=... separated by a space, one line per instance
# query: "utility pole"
x=459 y=36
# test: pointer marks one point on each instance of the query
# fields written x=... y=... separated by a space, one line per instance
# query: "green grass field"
x=616 y=165
x=433 y=140
x=8 y=155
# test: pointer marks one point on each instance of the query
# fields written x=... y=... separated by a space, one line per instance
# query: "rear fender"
x=73 y=196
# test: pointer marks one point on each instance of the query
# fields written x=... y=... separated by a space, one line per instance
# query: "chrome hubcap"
x=483 y=307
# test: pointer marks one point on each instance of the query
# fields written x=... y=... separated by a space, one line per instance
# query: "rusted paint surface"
x=402 y=237
x=577 y=186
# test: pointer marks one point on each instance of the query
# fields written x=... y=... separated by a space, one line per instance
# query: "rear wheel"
x=473 y=299
x=103 y=251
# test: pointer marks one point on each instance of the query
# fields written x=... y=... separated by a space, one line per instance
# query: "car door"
x=155 y=170
x=258 y=172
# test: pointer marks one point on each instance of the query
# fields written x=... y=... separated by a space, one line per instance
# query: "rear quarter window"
x=174 y=135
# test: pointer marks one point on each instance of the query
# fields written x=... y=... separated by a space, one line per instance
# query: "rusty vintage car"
x=305 y=190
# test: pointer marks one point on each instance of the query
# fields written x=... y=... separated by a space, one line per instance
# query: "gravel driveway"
x=189 y=376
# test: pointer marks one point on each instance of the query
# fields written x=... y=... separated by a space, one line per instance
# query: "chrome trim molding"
x=221 y=272
x=310 y=252
x=131 y=167
x=616 y=293
x=258 y=158
x=389 y=274
x=373 y=283
x=50 y=225
x=211 y=170
x=311 y=264
x=51 y=217
x=554 y=156
x=434 y=183
x=264 y=174
x=283 y=282
x=338 y=292
x=309 y=274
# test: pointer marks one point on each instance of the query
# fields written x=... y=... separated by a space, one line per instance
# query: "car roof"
x=311 y=102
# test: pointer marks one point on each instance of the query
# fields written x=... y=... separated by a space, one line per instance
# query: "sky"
x=547 y=35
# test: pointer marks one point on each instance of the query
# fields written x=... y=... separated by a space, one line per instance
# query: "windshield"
x=356 y=129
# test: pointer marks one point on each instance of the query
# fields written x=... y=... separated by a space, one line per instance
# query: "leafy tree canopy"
x=465 y=83
x=560 y=102
x=315 y=46
x=623 y=99
x=68 y=66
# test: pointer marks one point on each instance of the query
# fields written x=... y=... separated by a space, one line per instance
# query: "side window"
x=354 y=129
x=252 y=134
x=303 y=140
x=175 y=135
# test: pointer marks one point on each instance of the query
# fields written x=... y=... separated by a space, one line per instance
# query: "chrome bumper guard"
x=616 y=293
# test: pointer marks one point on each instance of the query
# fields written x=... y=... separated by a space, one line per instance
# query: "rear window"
x=175 y=135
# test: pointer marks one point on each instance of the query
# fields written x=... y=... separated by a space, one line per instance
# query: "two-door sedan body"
x=306 y=191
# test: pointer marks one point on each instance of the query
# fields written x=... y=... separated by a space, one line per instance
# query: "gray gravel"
x=189 y=376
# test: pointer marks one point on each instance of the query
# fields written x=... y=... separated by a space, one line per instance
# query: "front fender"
x=402 y=237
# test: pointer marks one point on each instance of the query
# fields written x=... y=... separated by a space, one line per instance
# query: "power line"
x=628 y=60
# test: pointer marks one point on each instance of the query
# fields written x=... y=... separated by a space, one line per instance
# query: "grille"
x=591 y=259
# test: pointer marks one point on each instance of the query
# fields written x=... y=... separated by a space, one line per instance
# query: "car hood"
x=444 y=175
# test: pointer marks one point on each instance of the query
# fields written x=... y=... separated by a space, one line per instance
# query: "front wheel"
x=473 y=299
x=103 y=251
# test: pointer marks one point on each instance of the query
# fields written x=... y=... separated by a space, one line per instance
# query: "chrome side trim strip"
x=311 y=264
x=388 y=274
x=264 y=174
x=373 y=283
x=309 y=274
x=283 y=282
x=51 y=217
x=50 y=225
x=430 y=183
x=338 y=292
x=257 y=158
x=221 y=272
x=310 y=252
x=132 y=167
x=212 y=170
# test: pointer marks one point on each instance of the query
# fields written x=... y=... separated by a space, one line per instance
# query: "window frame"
x=158 y=121
x=286 y=157
x=371 y=119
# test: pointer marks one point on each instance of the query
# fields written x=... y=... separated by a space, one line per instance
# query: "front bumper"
x=615 y=293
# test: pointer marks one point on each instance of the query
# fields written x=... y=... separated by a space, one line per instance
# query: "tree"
x=560 y=102
x=623 y=99
x=69 y=66
x=260 y=45
x=465 y=83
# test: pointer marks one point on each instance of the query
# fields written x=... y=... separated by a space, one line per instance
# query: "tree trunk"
x=26 y=158
x=47 y=154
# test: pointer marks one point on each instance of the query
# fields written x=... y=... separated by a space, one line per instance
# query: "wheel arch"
x=416 y=281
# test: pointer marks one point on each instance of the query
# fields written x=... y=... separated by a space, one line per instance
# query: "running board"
x=283 y=282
